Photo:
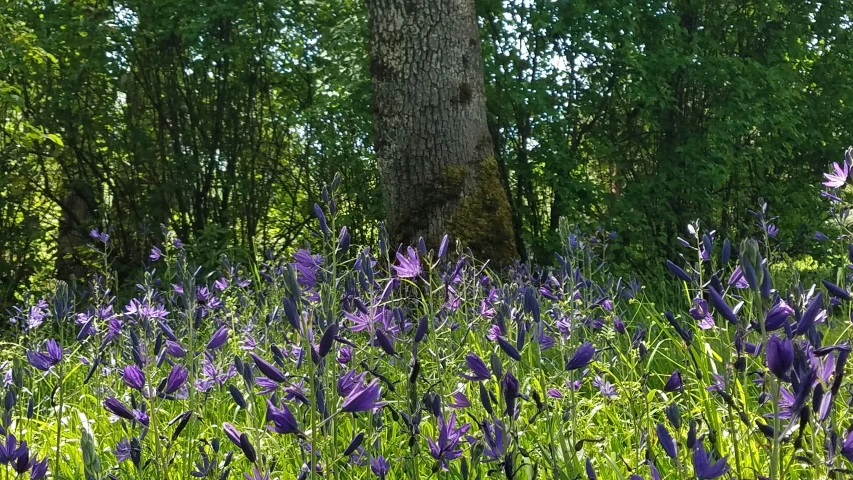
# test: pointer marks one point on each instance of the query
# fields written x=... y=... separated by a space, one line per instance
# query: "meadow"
x=356 y=362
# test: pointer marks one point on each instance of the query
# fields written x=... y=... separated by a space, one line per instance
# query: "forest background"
x=222 y=120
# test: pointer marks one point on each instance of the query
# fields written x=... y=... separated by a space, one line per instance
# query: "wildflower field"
x=355 y=362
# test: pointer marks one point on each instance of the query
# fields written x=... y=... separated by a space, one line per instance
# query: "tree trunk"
x=435 y=153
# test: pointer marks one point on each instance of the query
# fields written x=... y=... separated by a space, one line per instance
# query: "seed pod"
x=237 y=396
x=354 y=444
x=247 y=448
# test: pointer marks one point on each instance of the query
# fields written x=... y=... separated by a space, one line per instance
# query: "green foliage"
x=647 y=115
x=221 y=120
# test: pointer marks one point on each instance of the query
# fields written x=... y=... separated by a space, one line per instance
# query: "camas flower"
x=409 y=265
x=218 y=338
x=702 y=314
x=445 y=448
x=122 y=450
x=836 y=291
x=666 y=441
x=47 y=360
x=118 y=409
x=604 y=387
x=134 y=377
x=494 y=439
x=678 y=272
x=10 y=450
x=811 y=315
x=232 y=433
x=479 y=370
x=780 y=356
x=847 y=446
x=838 y=177
x=702 y=466
x=380 y=467
x=460 y=400
x=282 y=418
x=307 y=267
x=257 y=474
x=176 y=379
x=349 y=381
x=344 y=355
x=268 y=369
x=737 y=278
x=674 y=382
x=582 y=356
x=363 y=398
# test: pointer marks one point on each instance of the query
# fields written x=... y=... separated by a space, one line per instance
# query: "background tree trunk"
x=435 y=153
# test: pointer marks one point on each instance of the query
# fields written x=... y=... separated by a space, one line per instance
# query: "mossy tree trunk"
x=435 y=153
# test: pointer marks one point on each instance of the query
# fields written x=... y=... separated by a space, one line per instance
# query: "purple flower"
x=738 y=279
x=218 y=338
x=349 y=381
x=811 y=315
x=134 y=377
x=363 y=398
x=479 y=370
x=509 y=388
x=46 y=361
x=38 y=469
x=494 y=439
x=836 y=291
x=282 y=418
x=267 y=386
x=674 y=382
x=702 y=314
x=847 y=446
x=554 y=393
x=442 y=247
x=155 y=254
x=122 y=450
x=604 y=387
x=10 y=451
x=590 y=473
x=409 y=265
x=702 y=466
x=509 y=349
x=445 y=448
x=98 y=235
x=779 y=355
x=582 y=356
x=232 y=433
x=307 y=266
x=175 y=349
x=838 y=178
x=268 y=369
x=459 y=401
x=678 y=272
x=777 y=316
x=379 y=466
x=820 y=236
x=257 y=475
x=176 y=379
x=118 y=409
x=771 y=230
x=344 y=355
x=721 y=306
x=619 y=325
x=666 y=441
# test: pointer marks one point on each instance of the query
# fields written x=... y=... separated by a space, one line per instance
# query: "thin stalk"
x=775 y=457
x=59 y=413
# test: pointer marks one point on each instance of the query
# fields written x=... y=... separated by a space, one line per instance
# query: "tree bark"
x=435 y=153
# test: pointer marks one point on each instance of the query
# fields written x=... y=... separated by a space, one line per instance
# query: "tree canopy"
x=221 y=120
